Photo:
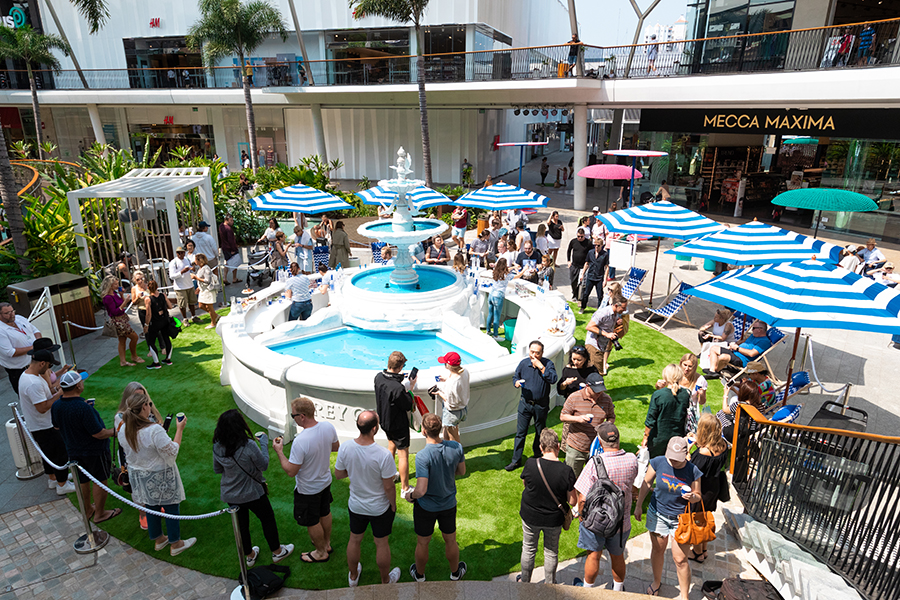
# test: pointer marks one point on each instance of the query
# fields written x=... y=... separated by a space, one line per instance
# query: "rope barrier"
x=113 y=492
x=812 y=368
x=83 y=327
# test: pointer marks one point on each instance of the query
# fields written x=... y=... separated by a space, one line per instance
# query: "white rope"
x=113 y=492
x=812 y=368
x=83 y=327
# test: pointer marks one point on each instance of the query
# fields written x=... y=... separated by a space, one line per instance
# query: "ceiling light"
x=565 y=112
x=517 y=112
x=553 y=112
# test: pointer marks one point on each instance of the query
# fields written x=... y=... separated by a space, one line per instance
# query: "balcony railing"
x=858 y=45
x=833 y=492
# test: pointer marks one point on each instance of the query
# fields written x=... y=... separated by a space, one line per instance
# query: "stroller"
x=260 y=266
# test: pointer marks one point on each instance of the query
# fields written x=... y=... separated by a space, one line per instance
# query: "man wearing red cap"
x=454 y=392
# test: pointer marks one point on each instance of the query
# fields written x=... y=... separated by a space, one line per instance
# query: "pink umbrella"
x=609 y=171
x=634 y=154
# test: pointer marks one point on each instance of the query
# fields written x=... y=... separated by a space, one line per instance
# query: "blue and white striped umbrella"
x=299 y=198
x=502 y=196
x=756 y=243
x=806 y=294
x=421 y=197
x=660 y=219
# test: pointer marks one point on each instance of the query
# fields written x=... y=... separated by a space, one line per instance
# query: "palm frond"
x=95 y=12
x=401 y=11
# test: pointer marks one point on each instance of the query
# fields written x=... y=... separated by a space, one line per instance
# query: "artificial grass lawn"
x=489 y=529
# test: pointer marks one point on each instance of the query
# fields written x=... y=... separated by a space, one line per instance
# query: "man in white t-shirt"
x=35 y=399
x=303 y=243
x=17 y=336
x=205 y=244
x=310 y=465
x=180 y=270
x=373 y=497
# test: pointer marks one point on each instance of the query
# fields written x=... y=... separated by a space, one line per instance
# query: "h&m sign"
x=839 y=122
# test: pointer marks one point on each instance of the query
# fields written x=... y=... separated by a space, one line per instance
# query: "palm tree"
x=405 y=11
x=96 y=12
x=228 y=28
x=33 y=49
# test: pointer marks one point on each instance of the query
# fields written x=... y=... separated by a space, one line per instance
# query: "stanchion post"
x=93 y=540
x=244 y=583
x=29 y=471
x=846 y=400
x=69 y=338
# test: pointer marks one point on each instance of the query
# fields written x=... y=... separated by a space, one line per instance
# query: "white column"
x=122 y=129
x=216 y=116
x=580 y=147
x=96 y=124
x=615 y=134
x=470 y=58
x=78 y=226
x=319 y=130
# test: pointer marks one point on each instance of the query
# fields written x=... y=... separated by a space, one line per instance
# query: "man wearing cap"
x=886 y=275
x=453 y=391
x=850 y=260
x=758 y=374
x=622 y=468
x=180 y=274
x=601 y=332
x=594 y=272
x=205 y=244
x=87 y=441
x=393 y=403
x=36 y=398
x=576 y=254
x=17 y=336
x=595 y=216
x=584 y=411
x=533 y=377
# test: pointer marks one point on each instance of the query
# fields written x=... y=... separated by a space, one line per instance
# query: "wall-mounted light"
x=517 y=112
x=565 y=112
x=553 y=112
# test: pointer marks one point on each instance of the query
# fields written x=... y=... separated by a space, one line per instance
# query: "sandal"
x=127 y=364
x=651 y=591
x=698 y=558
x=113 y=514
x=308 y=557
x=137 y=359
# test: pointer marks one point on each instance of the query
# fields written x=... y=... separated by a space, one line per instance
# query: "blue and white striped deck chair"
x=376 y=253
x=320 y=256
x=633 y=283
x=799 y=382
x=671 y=308
x=776 y=336
x=740 y=321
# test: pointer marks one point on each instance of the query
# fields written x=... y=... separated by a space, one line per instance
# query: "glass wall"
x=375 y=47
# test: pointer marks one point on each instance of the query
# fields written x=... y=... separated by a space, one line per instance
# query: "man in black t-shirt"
x=596 y=269
x=529 y=253
x=576 y=254
x=393 y=403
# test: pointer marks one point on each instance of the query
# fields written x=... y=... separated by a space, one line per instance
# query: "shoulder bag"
x=567 y=518
x=695 y=527
x=263 y=483
x=109 y=329
x=119 y=472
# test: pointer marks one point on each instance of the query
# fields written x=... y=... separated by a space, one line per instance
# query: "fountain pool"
x=379 y=280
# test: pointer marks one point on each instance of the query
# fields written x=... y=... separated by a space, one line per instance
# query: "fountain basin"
x=379 y=280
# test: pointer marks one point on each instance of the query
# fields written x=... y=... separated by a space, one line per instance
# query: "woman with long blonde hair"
x=709 y=458
x=696 y=384
x=667 y=412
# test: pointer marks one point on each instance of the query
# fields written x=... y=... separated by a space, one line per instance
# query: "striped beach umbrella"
x=502 y=196
x=660 y=219
x=756 y=243
x=810 y=293
x=299 y=198
x=421 y=197
x=377 y=195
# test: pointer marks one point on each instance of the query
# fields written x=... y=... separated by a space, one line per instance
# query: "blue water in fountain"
x=374 y=280
x=389 y=226
x=352 y=348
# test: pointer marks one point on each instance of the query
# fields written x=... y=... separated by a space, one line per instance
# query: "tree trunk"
x=251 y=118
x=423 y=109
x=12 y=207
x=62 y=34
x=36 y=108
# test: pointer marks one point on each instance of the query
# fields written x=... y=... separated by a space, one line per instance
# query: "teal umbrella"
x=825 y=199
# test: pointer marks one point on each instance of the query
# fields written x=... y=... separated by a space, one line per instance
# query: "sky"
x=612 y=22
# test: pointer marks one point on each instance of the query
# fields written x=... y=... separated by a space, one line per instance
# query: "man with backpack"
x=604 y=504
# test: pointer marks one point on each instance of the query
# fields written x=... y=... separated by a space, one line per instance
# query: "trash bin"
x=509 y=328
x=482 y=225
x=681 y=257
x=353 y=262
x=70 y=295
x=709 y=265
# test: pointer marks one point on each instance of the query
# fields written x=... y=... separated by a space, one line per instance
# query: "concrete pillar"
x=618 y=125
x=580 y=147
x=96 y=124
x=122 y=129
x=216 y=116
x=319 y=130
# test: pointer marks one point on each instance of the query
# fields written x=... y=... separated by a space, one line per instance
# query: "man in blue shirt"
x=437 y=466
x=739 y=355
x=533 y=377
x=87 y=441
x=297 y=291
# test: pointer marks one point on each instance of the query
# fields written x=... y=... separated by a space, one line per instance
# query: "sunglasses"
x=294 y=416
x=579 y=350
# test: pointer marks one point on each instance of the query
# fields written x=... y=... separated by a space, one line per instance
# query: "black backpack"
x=604 y=506
x=264 y=580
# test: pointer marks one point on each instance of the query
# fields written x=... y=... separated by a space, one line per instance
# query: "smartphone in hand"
x=414 y=373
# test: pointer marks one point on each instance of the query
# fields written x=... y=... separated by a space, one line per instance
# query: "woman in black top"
x=539 y=511
x=157 y=327
x=554 y=232
x=709 y=458
x=573 y=375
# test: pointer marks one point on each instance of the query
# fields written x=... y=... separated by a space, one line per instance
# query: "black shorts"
x=423 y=521
x=381 y=525
x=735 y=361
x=98 y=465
x=308 y=509
x=401 y=439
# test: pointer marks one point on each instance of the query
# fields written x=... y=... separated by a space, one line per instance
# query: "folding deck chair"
x=320 y=256
x=376 y=253
x=633 y=282
x=776 y=336
x=671 y=308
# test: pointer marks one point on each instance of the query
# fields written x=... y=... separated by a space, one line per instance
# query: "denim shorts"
x=590 y=541
x=459 y=232
x=452 y=418
x=661 y=524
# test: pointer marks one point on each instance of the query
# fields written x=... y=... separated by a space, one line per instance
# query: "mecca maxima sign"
x=881 y=124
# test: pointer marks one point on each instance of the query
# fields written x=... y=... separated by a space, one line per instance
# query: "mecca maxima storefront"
x=734 y=161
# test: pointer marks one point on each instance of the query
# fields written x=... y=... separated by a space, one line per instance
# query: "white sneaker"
x=251 y=560
x=285 y=551
x=51 y=483
x=355 y=582
x=394 y=575
x=62 y=490
x=187 y=544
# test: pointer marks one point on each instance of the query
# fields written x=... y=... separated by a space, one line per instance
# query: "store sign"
x=168 y=120
x=839 y=122
x=154 y=22
x=15 y=19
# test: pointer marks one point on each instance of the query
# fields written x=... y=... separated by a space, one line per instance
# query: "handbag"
x=567 y=518
x=109 y=329
x=119 y=472
x=695 y=527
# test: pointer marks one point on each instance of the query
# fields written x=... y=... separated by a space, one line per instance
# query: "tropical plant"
x=406 y=11
x=22 y=149
x=49 y=148
x=34 y=49
x=231 y=28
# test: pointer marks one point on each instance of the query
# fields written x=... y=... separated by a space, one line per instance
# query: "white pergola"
x=149 y=183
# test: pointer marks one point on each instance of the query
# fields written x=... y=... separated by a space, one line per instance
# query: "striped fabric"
x=662 y=219
x=635 y=278
x=421 y=197
x=739 y=320
x=299 y=198
x=807 y=294
x=676 y=303
x=502 y=196
x=377 y=195
x=756 y=243
x=320 y=256
x=376 y=253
